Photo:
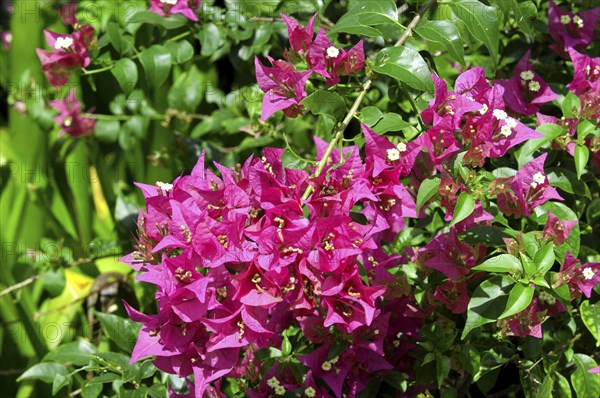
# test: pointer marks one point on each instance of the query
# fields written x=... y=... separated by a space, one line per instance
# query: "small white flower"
x=534 y=86
x=392 y=154
x=505 y=131
x=565 y=19
x=63 y=43
x=526 y=75
x=163 y=186
x=273 y=382
x=499 y=114
x=333 y=52
x=169 y=2
x=510 y=122
x=588 y=273
x=68 y=121
x=401 y=147
x=326 y=366
x=484 y=109
x=280 y=390
x=310 y=392
x=578 y=21
x=538 y=178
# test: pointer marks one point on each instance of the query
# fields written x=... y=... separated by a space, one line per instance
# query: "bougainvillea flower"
x=187 y=8
x=331 y=62
x=580 y=278
x=566 y=140
x=67 y=13
x=531 y=186
x=557 y=230
x=569 y=29
x=301 y=37
x=587 y=71
x=70 y=52
x=6 y=39
x=453 y=294
x=69 y=117
x=525 y=92
x=528 y=322
x=283 y=88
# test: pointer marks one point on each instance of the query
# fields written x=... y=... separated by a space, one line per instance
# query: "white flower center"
x=63 y=43
x=326 y=366
x=484 y=109
x=280 y=390
x=273 y=382
x=68 y=121
x=401 y=147
x=499 y=114
x=310 y=392
x=505 y=130
x=588 y=273
x=333 y=52
x=510 y=122
x=534 y=86
x=392 y=154
x=163 y=186
x=578 y=21
x=526 y=75
x=538 y=178
x=565 y=19
x=169 y=2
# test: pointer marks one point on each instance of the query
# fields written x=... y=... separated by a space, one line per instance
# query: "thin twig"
x=19 y=285
x=339 y=134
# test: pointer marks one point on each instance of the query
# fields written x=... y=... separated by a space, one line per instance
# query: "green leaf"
x=390 y=122
x=482 y=22
x=544 y=259
x=370 y=115
x=211 y=39
x=502 y=263
x=585 y=384
x=152 y=18
x=323 y=102
x=126 y=73
x=442 y=368
x=405 y=65
x=286 y=347
x=590 y=315
x=115 y=36
x=364 y=15
x=59 y=382
x=156 y=62
x=121 y=331
x=292 y=161
x=528 y=264
x=582 y=154
x=487 y=303
x=107 y=130
x=187 y=91
x=45 y=372
x=91 y=390
x=487 y=235
x=545 y=389
x=562 y=388
x=523 y=11
x=428 y=188
x=550 y=132
x=76 y=353
x=181 y=51
x=54 y=281
x=519 y=298
x=572 y=243
x=571 y=106
x=567 y=181
x=445 y=33
x=464 y=207
x=268 y=353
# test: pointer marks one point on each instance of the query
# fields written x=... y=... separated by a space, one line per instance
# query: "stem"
x=180 y=36
x=94 y=71
x=339 y=135
x=413 y=106
x=116 y=117
x=19 y=285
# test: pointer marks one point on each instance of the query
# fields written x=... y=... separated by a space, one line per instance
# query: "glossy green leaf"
x=115 y=36
x=362 y=18
x=545 y=389
x=390 y=122
x=187 y=91
x=405 y=65
x=519 y=298
x=152 y=18
x=590 y=315
x=156 y=62
x=464 y=207
x=445 y=33
x=502 y=263
x=323 y=102
x=528 y=264
x=76 y=353
x=126 y=73
x=487 y=303
x=562 y=388
x=582 y=155
x=482 y=22
x=107 y=130
x=544 y=258
x=181 y=51
x=370 y=115
x=487 y=235
x=585 y=384
x=123 y=332
x=571 y=105
x=45 y=372
x=59 y=382
x=427 y=190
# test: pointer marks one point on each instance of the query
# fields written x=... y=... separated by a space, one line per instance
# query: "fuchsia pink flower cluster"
x=187 y=8
x=240 y=258
x=284 y=82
